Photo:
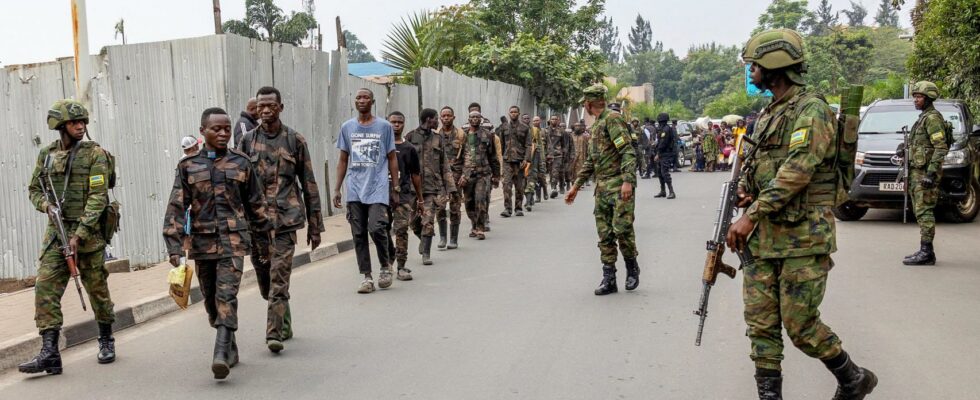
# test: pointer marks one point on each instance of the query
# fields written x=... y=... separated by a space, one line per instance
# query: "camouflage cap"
x=66 y=110
x=927 y=89
x=594 y=92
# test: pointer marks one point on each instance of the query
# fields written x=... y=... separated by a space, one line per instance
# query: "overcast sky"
x=40 y=30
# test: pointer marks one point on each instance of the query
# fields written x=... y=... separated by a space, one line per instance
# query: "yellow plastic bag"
x=180 y=284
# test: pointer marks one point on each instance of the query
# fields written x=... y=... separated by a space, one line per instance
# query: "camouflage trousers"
x=557 y=172
x=401 y=218
x=431 y=204
x=924 y=204
x=477 y=195
x=219 y=280
x=52 y=279
x=455 y=206
x=787 y=293
x=273 y=263
x=532 y=177
x=614 y=223
x=570 y=172
x=513 y=182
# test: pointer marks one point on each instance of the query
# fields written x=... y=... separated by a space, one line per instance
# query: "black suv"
x=877 y=166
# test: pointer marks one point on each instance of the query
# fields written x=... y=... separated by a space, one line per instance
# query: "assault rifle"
x=713 y=264
x=54 y=214
x=903 y=174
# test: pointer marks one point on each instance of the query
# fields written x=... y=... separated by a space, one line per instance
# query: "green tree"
x=120 y=30
x=640 y=36
x=404 y=46
x=889 y=53
x=553 y=74
x=357 y=52
x=609 y=44
x=707 y=69
x=674 y=108
x=784 y=14
x=887 y=16
x=823 y=20
x=265 y=21
x=856 y=15
x=736 y=102
x=559 y=20
x=661 y=68
x=947 y=51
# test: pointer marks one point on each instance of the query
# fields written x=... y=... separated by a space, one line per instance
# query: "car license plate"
x=891 y=186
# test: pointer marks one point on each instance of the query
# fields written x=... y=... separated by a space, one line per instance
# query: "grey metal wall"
x=145 y=97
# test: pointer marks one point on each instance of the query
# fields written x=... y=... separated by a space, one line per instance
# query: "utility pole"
x=341 y=40
x=83 y=65
x=217 y=17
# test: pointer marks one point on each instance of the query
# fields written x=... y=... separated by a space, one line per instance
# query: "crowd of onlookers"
x=715 y=144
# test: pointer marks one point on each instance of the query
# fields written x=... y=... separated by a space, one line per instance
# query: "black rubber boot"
x=506 y=214
x=554 y=193
x=925 y=256
x=442 y=235
x=453 y=236
x=48 y=359
x=519 y=213
x=107 y=344
x=537 y=194
x=770 y=387
x=853 y=382
x=426 y=250
x=632 y=274
x=222 y=346
x=287 y=325
x=608 y=284
x=670 y=186
x=233 y=352
x=563 y=186
x=663 y=193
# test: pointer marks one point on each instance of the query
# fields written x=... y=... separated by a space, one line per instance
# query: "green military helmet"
x=66 y=110
x=594 y=92
x=777 y=49
x=927 y=89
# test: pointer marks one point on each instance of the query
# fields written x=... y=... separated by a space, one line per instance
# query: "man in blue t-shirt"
x=367 y=158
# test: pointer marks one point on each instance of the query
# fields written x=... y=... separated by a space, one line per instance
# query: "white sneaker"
x=367 y=286
x=384 y=281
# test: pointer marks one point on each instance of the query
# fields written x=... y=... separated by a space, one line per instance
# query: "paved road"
x=514 y=318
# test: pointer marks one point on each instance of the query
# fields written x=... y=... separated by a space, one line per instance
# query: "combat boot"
x=442 y=235
x=663 y=193
x=537 y=194
x=222 y=344
x=48 y=359
x=770 y=387
x=404 y=274
x=107 y=344
x=554 y=193
x=454 y=235
x=670 y=186
x=233 y=352
x=426 y=250
x=287 y=325
x=519 y=212
x=563 y=185
x=925 y=256
x=505 y=214
x=853 y=382
x=632 y=274
x=608 y=284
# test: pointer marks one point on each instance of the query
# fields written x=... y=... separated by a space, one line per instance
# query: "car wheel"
x=850 y=212
x=964 y=210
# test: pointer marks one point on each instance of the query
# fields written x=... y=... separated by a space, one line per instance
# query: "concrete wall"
x=145 y=97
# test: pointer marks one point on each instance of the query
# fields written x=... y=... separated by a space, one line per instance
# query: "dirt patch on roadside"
x=13 y=285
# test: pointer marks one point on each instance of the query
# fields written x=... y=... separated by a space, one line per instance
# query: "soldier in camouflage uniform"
x=454 y=145
x=556 y=155
x=530 y=172
x=927 y=150
x=790 y=183
x=568 y=170
x=280 y=156
x=539 y=162
x=407 y=196
x=581 y=143
x=79 y=172
x=515 y=137
x=500 y=154
x=480 y=171
x=437 y=177
x=224 y=195
x=612 y=162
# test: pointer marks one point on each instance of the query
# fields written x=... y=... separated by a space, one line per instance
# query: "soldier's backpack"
x=112 y=214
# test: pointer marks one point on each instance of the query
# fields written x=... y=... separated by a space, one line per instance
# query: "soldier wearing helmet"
x=611 y=160
x=666 y=152
x=79 y=173
x=927 y=149
x=789 y=185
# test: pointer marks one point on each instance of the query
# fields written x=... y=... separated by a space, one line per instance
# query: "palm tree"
x=121 y=30
x=404 y=47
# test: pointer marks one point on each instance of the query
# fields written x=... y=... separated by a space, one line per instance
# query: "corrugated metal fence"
x=147 y=96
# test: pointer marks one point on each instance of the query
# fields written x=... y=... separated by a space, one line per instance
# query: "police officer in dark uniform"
x=666 y=151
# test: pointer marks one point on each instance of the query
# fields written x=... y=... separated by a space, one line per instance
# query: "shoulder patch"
x=798 y=138
x=619 y=141
x=938 y=137
x=96 y=181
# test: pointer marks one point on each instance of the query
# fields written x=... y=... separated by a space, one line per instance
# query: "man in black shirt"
x=407 y=191
x=666 y=151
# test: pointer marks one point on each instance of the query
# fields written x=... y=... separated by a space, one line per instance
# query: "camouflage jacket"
x=454 y=146
x=581 y=143
x=516 y=140
x=927 y=141
x=437 y=178
x=225 y=198
x=791 y=176
x=556 y=142
x=283 y=164
x=540 y=142
x=480 y=155
x=569 y=149
x=611 y=158
x=86 y=196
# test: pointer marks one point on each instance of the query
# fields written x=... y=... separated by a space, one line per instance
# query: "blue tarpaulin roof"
x=372 y=69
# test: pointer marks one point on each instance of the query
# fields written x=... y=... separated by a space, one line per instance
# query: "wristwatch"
x=398 y=189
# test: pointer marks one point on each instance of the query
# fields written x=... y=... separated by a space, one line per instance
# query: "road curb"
x=20 y=349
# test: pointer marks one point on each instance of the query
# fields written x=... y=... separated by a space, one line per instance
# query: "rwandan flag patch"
x=798 y=138
x=96 y=181
x=938 y=137
x=619 y=142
